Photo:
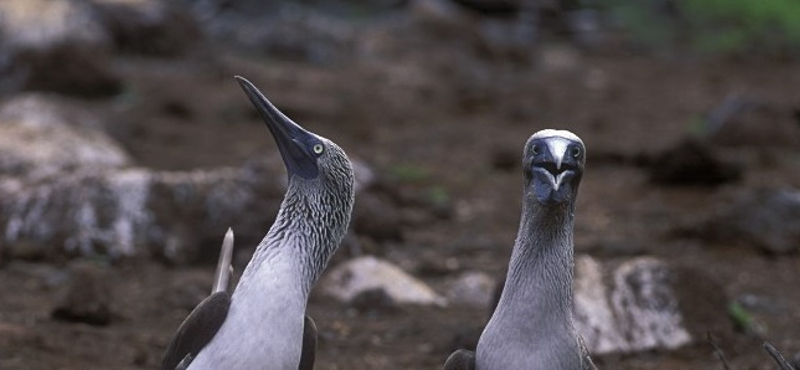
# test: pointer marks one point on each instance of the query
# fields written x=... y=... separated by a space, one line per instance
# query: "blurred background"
x=127 y=149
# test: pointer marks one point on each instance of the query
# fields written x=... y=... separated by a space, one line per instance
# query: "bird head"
x=316 y=166
x=553 y=164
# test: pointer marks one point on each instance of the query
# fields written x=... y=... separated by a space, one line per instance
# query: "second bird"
x=532 y=328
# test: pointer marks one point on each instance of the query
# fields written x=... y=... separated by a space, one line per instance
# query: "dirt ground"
x=457 y=136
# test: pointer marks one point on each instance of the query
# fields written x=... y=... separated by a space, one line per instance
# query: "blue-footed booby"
x=262 y=324
x=532 y=327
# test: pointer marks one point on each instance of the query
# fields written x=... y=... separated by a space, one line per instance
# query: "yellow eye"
x=318 y=148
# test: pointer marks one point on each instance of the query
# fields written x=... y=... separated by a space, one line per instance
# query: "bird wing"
x=205 y=320
x=197 y=330
x=462 y=359
x=309 y=351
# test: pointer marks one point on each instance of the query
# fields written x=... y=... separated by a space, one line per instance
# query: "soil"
x=424 y=127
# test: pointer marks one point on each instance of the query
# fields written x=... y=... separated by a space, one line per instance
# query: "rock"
x=87 y=298
x=646 y=306
x=346 y=281
x=594 y=316
x=55 y=45
x=692 y=162
x=471 y=288
x=43 y=136
x=131 y=212
x=768 y=219
x=644 y=303
x=148 y=26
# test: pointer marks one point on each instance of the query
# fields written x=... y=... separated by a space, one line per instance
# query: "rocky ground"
x=123 y=161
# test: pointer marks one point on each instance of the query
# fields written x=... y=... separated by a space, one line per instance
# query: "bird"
x=531 y=326
x=262 y=324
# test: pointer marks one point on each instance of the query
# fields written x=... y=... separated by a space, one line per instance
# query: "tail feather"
x=224 y=269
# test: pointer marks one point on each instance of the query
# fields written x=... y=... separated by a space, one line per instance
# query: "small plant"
x=745 y=321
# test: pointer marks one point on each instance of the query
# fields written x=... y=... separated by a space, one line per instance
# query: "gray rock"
x=55 y=45
x=347 y=281
x=768 y=219
x=43 y=136
x=129 y=212
x=644 y=303
x=471 y=288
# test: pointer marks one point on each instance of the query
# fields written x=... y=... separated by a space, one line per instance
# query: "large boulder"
x=137 y=212
x=644 y=303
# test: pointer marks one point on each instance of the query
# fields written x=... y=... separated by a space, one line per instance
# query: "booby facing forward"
x=532 y=328
x=262 y=324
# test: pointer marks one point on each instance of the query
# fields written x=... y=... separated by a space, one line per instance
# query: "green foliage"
x=712 y=26
x=745 y=321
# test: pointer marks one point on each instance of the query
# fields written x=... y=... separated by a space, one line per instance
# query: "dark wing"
x=309 y=352
x=778 y=357
x=197 y=330
x=462 y=359
x=586 y=360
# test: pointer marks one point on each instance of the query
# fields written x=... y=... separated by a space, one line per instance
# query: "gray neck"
x=539 y=281
x=306 y=233
x=538 y=288
x=531 y=327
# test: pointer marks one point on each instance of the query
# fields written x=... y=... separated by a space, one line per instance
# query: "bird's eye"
x=576 y=152
x=318 y=148
x=535 y=150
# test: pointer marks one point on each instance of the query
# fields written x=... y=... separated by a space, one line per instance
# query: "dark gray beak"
x=293 y=141
x=557 y=169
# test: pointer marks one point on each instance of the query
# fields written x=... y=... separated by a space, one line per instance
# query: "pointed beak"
x=557 y=171
x=293 y=141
